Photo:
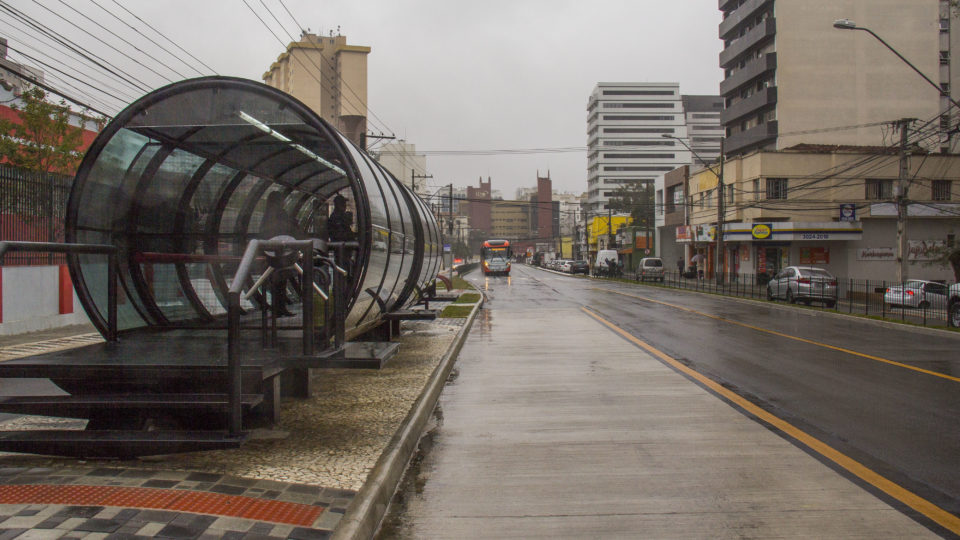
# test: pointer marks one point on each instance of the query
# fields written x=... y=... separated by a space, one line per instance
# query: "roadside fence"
x=924 y=303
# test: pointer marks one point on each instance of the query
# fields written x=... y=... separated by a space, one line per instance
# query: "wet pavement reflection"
x=555 y=426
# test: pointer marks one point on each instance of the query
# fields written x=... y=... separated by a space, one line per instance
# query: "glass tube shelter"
x=179 y=180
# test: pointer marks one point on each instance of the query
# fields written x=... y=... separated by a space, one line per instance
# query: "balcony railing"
x=750 y=138
x=759 y=33
x=744 y=107
x=748 y=73
x=742 y=13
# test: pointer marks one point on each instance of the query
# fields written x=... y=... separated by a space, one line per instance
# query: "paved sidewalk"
x=294 y=480
x=556 y=427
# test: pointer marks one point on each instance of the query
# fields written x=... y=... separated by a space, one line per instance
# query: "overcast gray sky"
x=446 y=74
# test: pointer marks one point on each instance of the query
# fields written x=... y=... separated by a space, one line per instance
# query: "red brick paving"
x=195 y=502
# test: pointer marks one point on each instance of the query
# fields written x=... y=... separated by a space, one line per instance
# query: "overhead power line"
x=134 y=15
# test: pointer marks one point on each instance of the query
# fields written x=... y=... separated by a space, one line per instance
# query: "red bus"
x=495 y=257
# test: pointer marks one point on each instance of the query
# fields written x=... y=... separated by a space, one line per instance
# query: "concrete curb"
x=363 y=515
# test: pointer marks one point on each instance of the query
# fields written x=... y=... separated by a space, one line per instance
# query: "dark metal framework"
x=178 y=183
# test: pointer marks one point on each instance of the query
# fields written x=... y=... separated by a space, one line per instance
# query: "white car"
x=565 y=266
x=917 y=293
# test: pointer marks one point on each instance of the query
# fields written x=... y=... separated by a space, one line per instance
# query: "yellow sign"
x=762 y=231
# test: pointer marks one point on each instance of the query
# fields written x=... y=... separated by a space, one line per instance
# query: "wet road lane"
x=557 y=427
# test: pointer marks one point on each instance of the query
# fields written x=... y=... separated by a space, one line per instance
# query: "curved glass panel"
x=177 y=181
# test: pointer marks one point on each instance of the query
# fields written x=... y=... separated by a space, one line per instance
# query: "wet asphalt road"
x=886 y=396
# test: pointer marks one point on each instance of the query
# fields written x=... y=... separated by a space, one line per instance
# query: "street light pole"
x=901 y=195
x=718 y=264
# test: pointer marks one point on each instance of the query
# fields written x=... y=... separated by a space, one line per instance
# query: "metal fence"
x=32 y=209
x=923 y=304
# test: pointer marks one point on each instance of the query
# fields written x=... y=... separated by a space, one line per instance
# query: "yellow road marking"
x=939 y=515
x=788 y=336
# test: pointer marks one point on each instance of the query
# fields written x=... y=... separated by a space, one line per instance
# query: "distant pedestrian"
x=680 y=265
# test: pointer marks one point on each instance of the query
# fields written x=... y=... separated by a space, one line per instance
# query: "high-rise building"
x=788 y=71
x=702 y=116
x=330 y=77
x=630 y=130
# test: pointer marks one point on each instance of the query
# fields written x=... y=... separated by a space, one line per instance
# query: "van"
x=650 y=268
x=601 y=263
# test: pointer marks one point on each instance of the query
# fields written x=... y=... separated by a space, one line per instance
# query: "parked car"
x=953 y=305
x=650 y=268
x=565 y=266
x=917 y=293
x=579 y=267
x=803 y=284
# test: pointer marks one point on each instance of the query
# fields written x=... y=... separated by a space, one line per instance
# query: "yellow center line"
x=932 y=511
x=788 y=336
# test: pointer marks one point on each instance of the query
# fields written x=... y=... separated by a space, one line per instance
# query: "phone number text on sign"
x=814 y=236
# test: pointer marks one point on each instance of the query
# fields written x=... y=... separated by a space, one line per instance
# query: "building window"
x=878 y=189
x=941 y=190
x=776 y=188
x=730 y=194
x=756 y=189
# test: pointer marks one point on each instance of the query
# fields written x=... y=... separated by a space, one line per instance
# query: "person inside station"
x=340 y=222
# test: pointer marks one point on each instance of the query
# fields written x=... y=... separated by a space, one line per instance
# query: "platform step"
x=411 y=315
x=79 y=406
x=119 y=444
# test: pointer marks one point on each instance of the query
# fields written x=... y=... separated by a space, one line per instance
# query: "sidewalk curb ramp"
x=364 y=514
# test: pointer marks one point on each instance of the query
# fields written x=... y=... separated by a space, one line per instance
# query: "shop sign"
x=876 y=254
x=848 y=212
x=684 y=233
x=814 y=255
x=706 y=234
x=920 y=250
x=744 y=253
x=761 y=231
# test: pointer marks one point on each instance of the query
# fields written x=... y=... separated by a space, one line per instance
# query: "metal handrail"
x=76 y=249
x=234 y=311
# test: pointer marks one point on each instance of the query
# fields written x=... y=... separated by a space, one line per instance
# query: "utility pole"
x=720 y=216
x=450 y=220
x=413 y=179
x=901 y=200
x=609 y=228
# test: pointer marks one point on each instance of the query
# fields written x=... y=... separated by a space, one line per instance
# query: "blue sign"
x=446 y=248
x=848 y=212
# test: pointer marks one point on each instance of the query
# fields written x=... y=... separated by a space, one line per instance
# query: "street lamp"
x=901 y=196
x=720 y=194
x=847 y=24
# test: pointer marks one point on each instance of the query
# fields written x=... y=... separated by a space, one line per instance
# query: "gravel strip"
x=333 y=439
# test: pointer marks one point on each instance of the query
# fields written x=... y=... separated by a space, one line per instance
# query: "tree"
x=635 y=199
x=44 y=140
x=945 y=255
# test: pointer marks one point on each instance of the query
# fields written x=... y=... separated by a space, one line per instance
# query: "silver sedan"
x=917 y=293
x=804 y=284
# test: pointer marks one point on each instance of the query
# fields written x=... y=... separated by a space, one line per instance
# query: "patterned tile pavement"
x=116 y=503
x=335 y=437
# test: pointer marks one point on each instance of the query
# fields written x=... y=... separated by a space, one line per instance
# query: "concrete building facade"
x=626 y=124
x=790 y=77
x=330 y=77
x=825 y=206
x=401 y=159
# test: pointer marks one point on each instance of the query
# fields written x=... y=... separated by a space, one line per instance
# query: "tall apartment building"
x=330 y=77
x=787 y=70
x=627 y=129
